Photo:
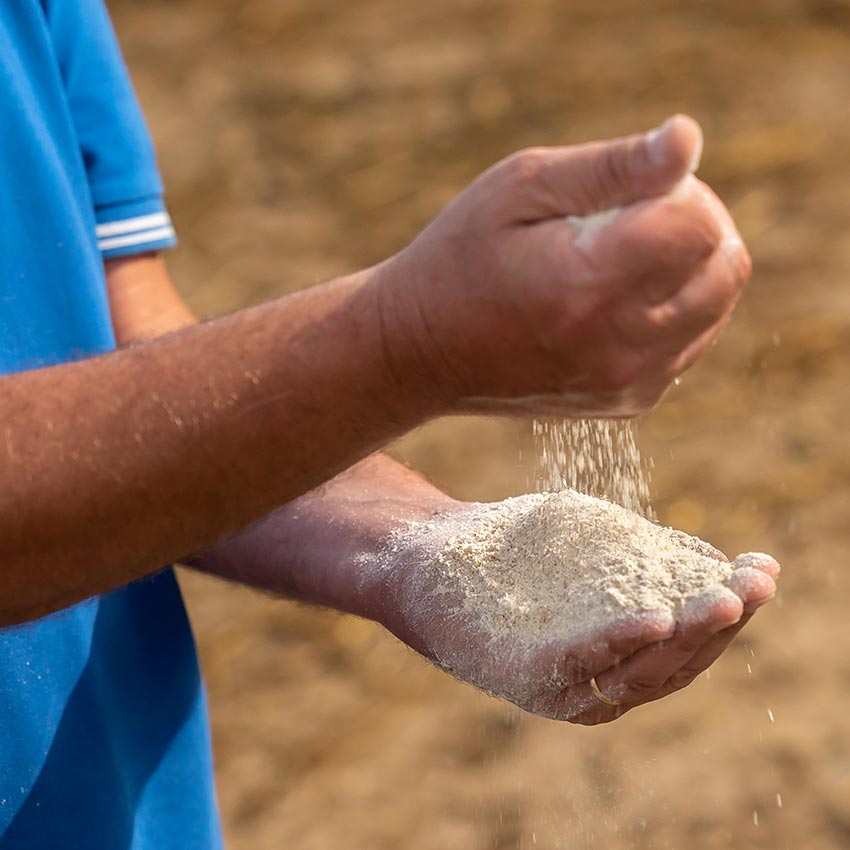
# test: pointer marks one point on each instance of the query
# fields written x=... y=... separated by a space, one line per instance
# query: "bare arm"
x=116 y=465
x=329 y=547
x=320 y=547
x=308 y=549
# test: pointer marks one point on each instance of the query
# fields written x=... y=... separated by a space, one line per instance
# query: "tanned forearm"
x=116 y=465
x=320 y=548
x=317 y=548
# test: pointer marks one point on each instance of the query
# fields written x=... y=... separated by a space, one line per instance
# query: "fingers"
x=759 y=561
x=715 y=291
x=674 y=265
x=706 y=301
x=701 y=639
x=649 y=670
x=753 y=586
x=699 y=304
x=580 y=180
x=642 y=677
x=654 y=247
x=701 y=660
x=695 y=349
x=595 y=654
x=753 y=583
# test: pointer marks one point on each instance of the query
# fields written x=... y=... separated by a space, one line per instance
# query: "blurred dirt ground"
x=304 y=139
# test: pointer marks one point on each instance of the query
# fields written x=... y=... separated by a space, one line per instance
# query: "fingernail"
x=656 y=143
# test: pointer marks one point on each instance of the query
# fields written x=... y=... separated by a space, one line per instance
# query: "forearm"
x=318 y=547
x=116 y=465
x=321 y=547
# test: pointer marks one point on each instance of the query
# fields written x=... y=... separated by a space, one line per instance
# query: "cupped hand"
x=621 y=665
x=576 y=281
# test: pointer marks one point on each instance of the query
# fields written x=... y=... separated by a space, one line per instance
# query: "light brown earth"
x=303 y=138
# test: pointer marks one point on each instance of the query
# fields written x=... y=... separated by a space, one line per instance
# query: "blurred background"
x=301 y=139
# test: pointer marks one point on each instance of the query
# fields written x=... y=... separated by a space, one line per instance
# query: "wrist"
x=391 y=584
x=413 y=357
x=387 y=498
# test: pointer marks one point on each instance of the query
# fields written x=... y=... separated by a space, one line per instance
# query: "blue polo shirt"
x=104 y=740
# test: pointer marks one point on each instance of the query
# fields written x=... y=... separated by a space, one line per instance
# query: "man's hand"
x=330 y=547
x=325 y=548
x=631 y=662
x=118 y=464
x=510 y=302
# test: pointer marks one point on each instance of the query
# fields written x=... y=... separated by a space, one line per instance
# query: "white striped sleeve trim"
x=155 y=235
x=133 y=225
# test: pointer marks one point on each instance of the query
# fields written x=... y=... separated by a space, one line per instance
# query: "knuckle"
x=526 y=167
x=681 y=679
x=612 y=170
x=706 y=232
x=660 y=318
x=641 y=689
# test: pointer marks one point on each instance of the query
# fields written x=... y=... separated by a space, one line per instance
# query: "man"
x=115 y=462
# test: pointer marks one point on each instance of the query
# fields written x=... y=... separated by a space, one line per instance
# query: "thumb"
x=588 y=178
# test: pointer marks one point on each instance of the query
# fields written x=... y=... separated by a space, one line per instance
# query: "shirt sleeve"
x=116 y=147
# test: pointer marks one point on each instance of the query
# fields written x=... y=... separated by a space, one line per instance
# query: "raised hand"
x=574 y=281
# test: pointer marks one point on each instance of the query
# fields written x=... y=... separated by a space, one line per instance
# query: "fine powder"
x=548 y=567
x=594 y=456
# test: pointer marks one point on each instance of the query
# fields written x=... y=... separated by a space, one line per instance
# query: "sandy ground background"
x=305 y=138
